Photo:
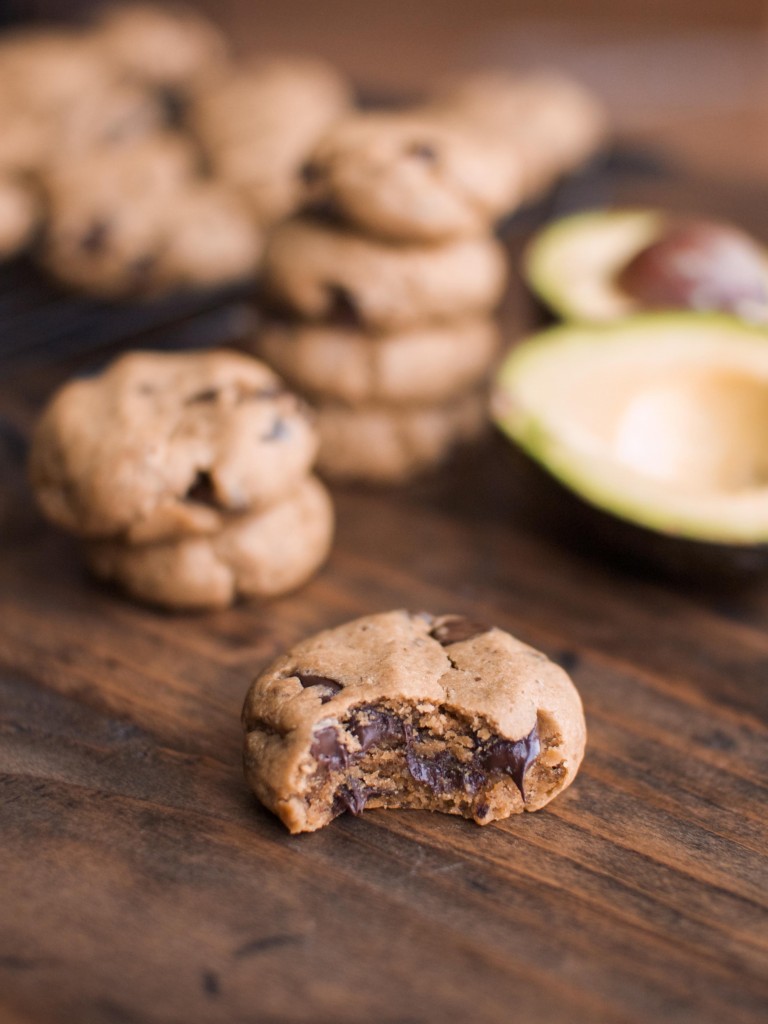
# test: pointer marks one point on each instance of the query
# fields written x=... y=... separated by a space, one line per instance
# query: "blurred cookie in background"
x=258 y=122
x=170 y=47
x=430 y=363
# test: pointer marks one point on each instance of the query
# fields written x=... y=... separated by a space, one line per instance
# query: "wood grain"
x=141 y=883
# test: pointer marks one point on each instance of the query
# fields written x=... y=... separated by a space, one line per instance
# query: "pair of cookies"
x=189 y=476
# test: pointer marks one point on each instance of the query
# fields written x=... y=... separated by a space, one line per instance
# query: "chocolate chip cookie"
x=207 y=239
x=415 y=175
x=160 y=445
x=411 y=710
x=423 y=364
x=258 y=122
x=165 y=46
x=386 y=444
x=257 y=555
x=326 y=272
x=549 y=120
x=105 y=215
x=132 y=222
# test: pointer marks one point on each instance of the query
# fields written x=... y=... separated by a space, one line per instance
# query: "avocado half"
x=659 y=421
x=603 y=265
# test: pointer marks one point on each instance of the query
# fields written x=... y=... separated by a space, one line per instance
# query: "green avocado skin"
x=636 y=549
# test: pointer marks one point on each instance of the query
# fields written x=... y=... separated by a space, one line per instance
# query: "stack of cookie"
x=189 y=475
x=385 y=289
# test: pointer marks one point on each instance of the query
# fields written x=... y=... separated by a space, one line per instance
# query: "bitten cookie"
x=411 y=710
x=161 y=444
x=390 y=444
x=257 y=123
x=424 y=364
x=253 y=555
x=326 y=272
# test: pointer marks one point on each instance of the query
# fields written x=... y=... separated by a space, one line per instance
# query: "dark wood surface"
x=141 y=883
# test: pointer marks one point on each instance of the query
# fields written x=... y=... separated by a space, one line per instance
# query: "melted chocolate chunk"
x=327 y=750
x=94 y=241
x=378 y=727
x=342 y=308
x=201 y=490
x=456 y=629
x=350 y=797
x=423 y=151
x=328 y=687
x=444 y=773
x=512 y=757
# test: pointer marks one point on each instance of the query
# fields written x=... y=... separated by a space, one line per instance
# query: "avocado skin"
x=576 y=524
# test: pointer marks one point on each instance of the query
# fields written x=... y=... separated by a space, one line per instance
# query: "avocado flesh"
x=661 y=420
x=573 y=263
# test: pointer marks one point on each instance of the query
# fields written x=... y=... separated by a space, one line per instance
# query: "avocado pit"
x=700 y=265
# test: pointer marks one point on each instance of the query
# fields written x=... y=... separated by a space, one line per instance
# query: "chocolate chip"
x=95 y=239
x=174 y=105
x=512 y=757
x=277 y=432
x=310 y=172
x=327 y=750
x=342 y=308
x=372 y=727
x=209 y=395
x=328 y=687
x=423 y=151
x=455 y=629
x=350 y=797
x=201 y=490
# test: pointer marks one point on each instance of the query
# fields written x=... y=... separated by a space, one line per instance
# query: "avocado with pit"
x=660 y=423
x=602 y=265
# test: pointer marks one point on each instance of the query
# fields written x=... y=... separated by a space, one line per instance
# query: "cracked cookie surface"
x=411 y=710
x=160 y=445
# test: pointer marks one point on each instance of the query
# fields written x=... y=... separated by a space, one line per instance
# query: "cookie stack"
x=189 y=476
x=385 y=288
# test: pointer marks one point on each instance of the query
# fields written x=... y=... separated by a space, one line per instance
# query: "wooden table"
x=141 y=883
